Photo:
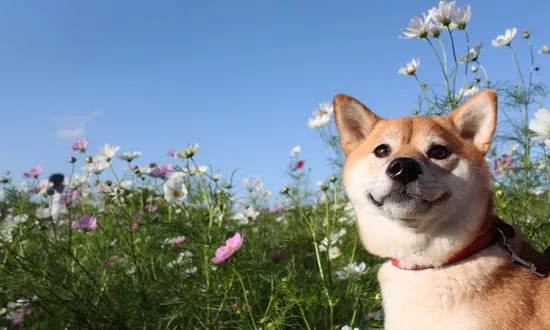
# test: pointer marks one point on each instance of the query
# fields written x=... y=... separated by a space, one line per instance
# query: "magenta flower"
x=178 y=240
x=19 y=316
x=276 y=256
x=161 y=172
x=70 y=197
x=80 y=145
x=85 y=223
x=172 y=153
x=134 y=226
x=231 y=246
x=502 y=164
x=33 y=173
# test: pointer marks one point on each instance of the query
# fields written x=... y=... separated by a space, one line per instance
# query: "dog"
x=420 y=188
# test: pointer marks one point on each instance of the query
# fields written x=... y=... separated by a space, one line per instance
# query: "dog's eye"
x=382 y=151
x=438 y=152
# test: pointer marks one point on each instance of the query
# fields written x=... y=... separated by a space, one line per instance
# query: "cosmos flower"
x=33 y=173
x=505 y=39
x=231 y=246
x=175 y=190
x=410 y=68
x=129 y=156
x=85 y=223
x=540 y=125
x=472 y=55
x=80 y=145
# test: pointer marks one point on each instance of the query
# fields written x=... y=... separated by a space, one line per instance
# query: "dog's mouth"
x=405 y=198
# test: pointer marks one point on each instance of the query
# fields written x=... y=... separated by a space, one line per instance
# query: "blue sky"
x=238 y=77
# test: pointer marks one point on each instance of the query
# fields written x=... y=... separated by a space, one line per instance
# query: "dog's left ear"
x=476 y=119
x=353 y=120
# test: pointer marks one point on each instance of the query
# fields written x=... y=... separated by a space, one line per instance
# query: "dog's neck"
x=438 y=241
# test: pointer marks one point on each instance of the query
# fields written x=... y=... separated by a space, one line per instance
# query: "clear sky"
x=238 y=77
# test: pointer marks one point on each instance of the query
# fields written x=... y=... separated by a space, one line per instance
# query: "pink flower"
x=172 y=153
x=298 y=166
x=80 y=145
x=161 y=172
x=178 y=240
x=231 y=246
x=70 y=197
x=502 y=164
x=33 y=173
x=85 y=223
x=19 y=315
x=133 y=226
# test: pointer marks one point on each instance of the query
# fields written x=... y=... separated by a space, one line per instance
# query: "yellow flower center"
x=176 y=193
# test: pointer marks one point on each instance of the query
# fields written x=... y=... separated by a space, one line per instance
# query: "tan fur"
x=484 y=291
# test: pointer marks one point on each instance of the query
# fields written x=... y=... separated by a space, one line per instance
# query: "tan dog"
x=420 y=189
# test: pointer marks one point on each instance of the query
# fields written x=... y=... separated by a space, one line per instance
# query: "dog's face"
x=410 y=178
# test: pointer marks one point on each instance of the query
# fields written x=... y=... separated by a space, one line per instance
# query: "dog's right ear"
x=353 y=120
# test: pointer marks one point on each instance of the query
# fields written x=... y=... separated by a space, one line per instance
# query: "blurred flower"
x=514 y=148
x=472 y=55
x=443 y=14
x=502 y=164
x=175 y=190
x=183 y=258
x=461 y=16
x=108 y=151
x=231 y=246
x=176 y=240
x=347 y=327
x=33 y=173
x=19 y=315
x=420 y=28
x=410 y=68
x=466 y=92
x=161 y=172
x=334 y=252
x=80 y=145
x=85 y=223
x=295 y=151
x=299 y=165
x=353 y=269
x=276 y=256
x=188 y=152
x=97 y=165
x=172 y=153
x=544 y=50
x=474 y=68
x=541 y=126
x=129 y=156
x=216 y=177
x=505 y=39
x=321 y=115
x=525 y=34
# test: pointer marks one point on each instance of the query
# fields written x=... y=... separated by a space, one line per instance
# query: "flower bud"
x=525 y=34
x=474 y=68
x=72 y=160
x=499 y=193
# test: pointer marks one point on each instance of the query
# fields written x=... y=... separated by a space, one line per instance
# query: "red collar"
x=483 y=241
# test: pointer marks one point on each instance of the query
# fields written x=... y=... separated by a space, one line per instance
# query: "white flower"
x=295 y=151
x=461 y=16
x=188 y=152
x=353 y=269
x=474 y=68
x=129 y=156
x=472 y=55
x=192 y=170
x=175 y=190
x=347 y=327
x=421 y=28
x=99 y=164
x=108 y=151
x=251 y=213
x=334 y=252
x=544 y=50
x=541 y=126
x=321 y=115
x=514 y=148
x=466 y=92
x=505 y=39
x=444 y=14
x=410 y=68
x=216 y=177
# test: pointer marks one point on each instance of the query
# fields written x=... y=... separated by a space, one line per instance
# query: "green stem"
x=444 y=70
x=425 y=92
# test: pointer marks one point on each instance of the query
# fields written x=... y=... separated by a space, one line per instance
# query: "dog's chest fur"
x=455 y=297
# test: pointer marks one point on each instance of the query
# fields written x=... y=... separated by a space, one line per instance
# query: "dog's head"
x=417 y=184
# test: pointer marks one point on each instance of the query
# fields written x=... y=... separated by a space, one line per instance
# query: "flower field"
x=179 y=246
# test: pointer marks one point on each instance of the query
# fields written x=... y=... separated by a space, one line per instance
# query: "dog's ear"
x=476 y=119
x=353 y=120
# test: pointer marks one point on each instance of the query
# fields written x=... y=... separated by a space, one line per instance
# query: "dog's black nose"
x=404 y=170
